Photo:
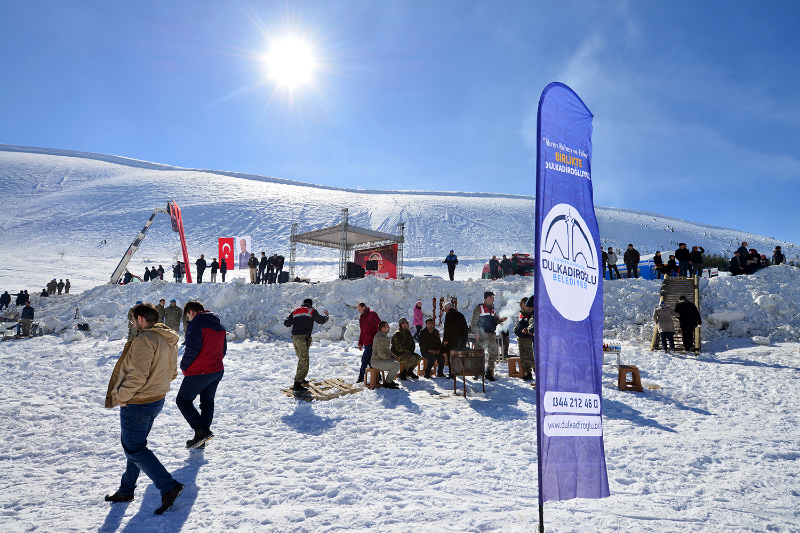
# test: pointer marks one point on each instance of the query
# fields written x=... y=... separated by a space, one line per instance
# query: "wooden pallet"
x=324 y=390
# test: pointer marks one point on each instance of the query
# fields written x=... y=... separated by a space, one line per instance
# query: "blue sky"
x=696 y=104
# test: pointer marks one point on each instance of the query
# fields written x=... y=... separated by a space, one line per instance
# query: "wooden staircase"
x=671 y=290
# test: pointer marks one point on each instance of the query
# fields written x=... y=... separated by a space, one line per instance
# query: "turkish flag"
x=226 y=252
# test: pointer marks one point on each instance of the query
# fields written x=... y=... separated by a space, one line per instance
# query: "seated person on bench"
x=383 y=358
x=403 y=346
x=430 y=346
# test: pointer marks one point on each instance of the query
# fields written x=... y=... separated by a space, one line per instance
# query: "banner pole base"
x=541 y=519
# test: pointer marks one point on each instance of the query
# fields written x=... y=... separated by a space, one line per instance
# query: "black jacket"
x=456 y=330
x=214 y=267
x=27 y=312
x=506 y=264
x=525 y=322
x=302 y=319
x=262 y=264
x=201 y=264
x=631 y=257
x=697 y=257
x=429 y=340
x=5 y=298
x=689 y=314
x=683 y=254
x=223 y=266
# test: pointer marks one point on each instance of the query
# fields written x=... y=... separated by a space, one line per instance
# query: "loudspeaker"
x=354 y=271
x=372 y=265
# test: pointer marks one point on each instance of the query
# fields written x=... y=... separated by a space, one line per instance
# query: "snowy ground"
x=715 y=449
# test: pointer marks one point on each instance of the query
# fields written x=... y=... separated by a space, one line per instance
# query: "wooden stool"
x=372 y=378
x=421 y=368
x=514 y=367
x=636 y=382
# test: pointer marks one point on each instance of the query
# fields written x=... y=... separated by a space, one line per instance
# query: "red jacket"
x=206 y=345
x=368 y=322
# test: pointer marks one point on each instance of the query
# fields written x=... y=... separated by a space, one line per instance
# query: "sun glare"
x=290 y=62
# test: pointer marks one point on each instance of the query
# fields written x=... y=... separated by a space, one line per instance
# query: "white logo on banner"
x=569 y=262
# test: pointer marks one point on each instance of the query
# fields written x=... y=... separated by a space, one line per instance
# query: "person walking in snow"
x=139 y=383
x=302 y=320
x=689 y=318
x=631 y=259
x=403 y=347
x=418 y=321
x=483 y=324
x=176 y=271
x=368 y=324
x=612 y=263
x=202 y=369
x=382 y=357
x=201 y=267
x=451 y=261
x=663 y=318
x=524 y=332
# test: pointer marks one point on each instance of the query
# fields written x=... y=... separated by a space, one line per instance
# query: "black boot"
x=412 y=375
x=490 y=376
x=528 y=376
x=119 y=498
x=201 y=436
x=298 y=387
x=169 y=498
x=403 y=375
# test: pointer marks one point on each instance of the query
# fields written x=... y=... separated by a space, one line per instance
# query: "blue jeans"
x=136 y=421
x=366 y=357
x=206 y=386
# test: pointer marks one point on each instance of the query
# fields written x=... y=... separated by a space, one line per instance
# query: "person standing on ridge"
x=26 y=318
x=139 y=383
x=684 y=258
x=368 y=324
x=223 y=268
x=66 y=286
x=201 y=267
x=483 y=324
x=202 y=369
x=214 y=268
x=451 y=261
x=612 y=263
x=301 y=320
x=631 y=259
x=697 y=261
x=494 y=267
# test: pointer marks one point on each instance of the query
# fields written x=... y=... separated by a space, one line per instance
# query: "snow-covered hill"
x=61 y=205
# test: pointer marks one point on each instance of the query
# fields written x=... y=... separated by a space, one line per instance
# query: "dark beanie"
x=308 y=302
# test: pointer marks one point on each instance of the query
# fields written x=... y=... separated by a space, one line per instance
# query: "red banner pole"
x=179 y=218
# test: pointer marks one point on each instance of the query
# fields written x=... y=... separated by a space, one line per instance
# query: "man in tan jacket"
x=138 y=384
x=383 y=358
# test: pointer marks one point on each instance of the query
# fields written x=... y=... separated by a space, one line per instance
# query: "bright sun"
x=290 y=62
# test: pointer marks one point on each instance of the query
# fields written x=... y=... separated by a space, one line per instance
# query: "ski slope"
x=67 y=203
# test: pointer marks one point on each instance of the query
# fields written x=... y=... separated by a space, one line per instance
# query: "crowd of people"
x=749 y=261
x=397 y=355
x=267 y=270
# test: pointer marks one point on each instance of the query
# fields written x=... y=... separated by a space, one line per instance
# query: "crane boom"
x=123 y=264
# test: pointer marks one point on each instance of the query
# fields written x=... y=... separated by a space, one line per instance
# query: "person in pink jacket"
x=419 y=320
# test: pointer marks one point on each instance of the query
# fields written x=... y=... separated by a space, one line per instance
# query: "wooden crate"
x=324 y=390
